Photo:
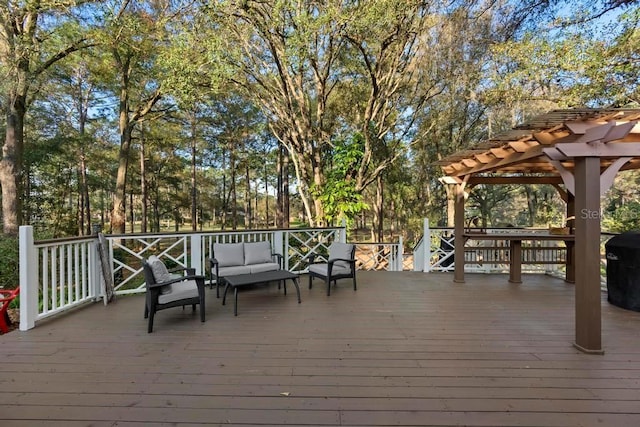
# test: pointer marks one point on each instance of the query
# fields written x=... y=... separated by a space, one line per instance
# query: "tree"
x=302 y=61
x=133 y=34
x=34 y=35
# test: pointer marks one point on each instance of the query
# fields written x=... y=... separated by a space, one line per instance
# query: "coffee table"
x=240 y=280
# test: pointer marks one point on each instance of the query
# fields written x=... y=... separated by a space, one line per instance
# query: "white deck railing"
x=59 y=275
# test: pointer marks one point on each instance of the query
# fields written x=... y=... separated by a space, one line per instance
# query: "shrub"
x=9 y=262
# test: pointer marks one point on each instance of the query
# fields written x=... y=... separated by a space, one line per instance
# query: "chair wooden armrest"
x=189 y=270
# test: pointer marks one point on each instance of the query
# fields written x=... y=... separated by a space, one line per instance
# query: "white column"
x=196 y=253
x=28 y=279
x=426 y=244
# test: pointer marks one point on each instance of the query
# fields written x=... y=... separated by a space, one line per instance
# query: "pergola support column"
x=458 y=242
x=570 y=274
x=588 y=322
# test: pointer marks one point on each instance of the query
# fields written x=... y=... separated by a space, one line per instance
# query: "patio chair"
x=341 y=264
x=6 y=296
x=167 y=289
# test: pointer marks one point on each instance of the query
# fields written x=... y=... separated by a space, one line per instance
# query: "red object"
x=7 y=297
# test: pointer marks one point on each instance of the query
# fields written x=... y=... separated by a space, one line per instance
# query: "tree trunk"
x=194 y=190
x=233 y=197
x=143 y=187
x=11 y=165
x=132 y=216
x=266 y=193
x=119 y=197
x=285 y=191
x=451 y=204
x=531 y=204
x=247 y=197
x=84 y=191
x=377 y=230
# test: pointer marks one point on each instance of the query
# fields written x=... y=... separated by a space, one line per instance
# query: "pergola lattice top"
x=528 y=149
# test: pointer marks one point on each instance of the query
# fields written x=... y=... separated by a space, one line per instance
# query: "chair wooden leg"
x=354 y=284
x=150 y=327
x=310 y=281
x=328 y=287
x=4 y=322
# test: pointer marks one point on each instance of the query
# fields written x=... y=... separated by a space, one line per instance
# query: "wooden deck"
x=405 y=349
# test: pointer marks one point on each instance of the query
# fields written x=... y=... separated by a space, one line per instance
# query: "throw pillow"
x=160 y=272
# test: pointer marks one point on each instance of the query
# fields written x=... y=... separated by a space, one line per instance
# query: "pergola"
x=579 y=152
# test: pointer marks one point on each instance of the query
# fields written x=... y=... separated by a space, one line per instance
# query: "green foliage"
x=9 y=262
x=623 y=218
x=339 y=196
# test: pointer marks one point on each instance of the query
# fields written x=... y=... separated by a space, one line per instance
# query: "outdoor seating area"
x=408 y=348
x=340 y=264
x=231 y=259
x=166 y=289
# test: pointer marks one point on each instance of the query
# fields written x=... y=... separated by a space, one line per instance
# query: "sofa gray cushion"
x=233 y=270
x=228 y=254
x=257 y=253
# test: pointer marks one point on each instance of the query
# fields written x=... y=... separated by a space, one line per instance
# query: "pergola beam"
x=490 y=180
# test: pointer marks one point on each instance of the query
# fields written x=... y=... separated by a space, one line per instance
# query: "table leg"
x=515 y=267
x=295 y=283
x=224 y=294
x=284 y=284
x=235 y=301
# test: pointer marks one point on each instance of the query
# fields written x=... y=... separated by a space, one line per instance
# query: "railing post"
x=343 y=231
x=96 y=275
x=28 y=279
x=278 y=247
x=196 y=253
x=426 y=244
x=400 y=259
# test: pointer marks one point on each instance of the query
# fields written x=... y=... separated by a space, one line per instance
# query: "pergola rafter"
x=579 y=152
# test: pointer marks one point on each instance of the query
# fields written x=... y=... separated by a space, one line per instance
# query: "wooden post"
x=588 y=320
x=570 y=272
x=458 y=243
x=515 y=266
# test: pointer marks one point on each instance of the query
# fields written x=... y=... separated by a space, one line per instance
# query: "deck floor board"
x=408 y=349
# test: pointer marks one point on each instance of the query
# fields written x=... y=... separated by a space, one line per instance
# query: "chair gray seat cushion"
x=323 y=269
x=234 y=270
x=266 y=266
x=180 y=290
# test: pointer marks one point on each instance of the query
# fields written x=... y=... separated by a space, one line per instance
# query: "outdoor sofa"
x=230 y=259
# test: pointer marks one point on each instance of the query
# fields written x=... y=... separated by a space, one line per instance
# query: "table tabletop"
x=261 y=277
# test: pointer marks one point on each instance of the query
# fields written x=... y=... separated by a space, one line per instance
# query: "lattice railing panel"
x=299 y=244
